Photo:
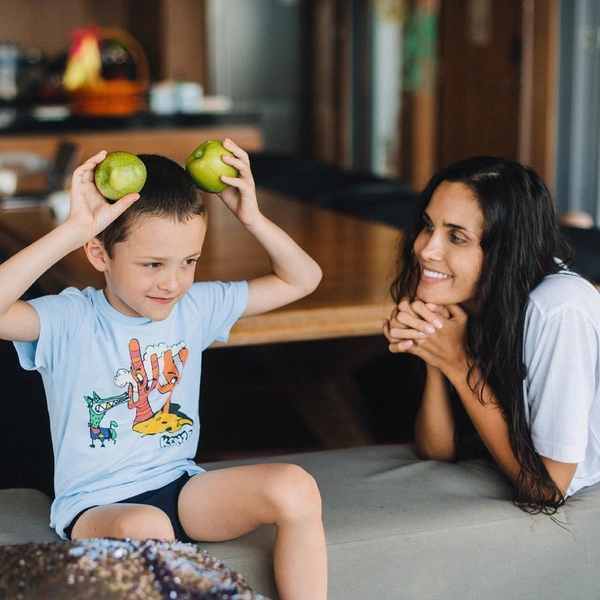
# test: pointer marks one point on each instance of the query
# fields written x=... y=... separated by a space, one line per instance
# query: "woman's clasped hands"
x=433 y=332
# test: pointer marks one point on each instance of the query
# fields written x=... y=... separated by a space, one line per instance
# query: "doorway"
x=480 y=67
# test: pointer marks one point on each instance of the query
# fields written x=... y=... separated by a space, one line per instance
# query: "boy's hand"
x=240 y=196
x=89 y=210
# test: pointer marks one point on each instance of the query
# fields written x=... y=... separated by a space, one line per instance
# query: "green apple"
x=205 y=166
x=119 y=174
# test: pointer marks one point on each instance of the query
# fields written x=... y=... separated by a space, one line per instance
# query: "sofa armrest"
x=24 y=517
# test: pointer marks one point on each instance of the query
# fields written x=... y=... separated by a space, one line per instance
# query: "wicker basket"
x=119 y=97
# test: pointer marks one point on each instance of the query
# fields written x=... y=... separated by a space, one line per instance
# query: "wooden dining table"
x=357 y=258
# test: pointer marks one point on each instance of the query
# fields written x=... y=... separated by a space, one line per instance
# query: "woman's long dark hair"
x=520 y=241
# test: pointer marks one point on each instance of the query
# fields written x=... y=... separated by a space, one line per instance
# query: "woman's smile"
x=428 y=274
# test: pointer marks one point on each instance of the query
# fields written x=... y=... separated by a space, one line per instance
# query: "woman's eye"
x=456 y=239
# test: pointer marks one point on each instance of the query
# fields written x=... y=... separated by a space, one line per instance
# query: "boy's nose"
x=168 y=281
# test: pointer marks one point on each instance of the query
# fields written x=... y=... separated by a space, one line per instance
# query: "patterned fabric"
x=117 y=570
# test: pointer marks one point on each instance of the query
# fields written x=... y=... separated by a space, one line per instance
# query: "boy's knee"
x=295 y=493
x=143 y=523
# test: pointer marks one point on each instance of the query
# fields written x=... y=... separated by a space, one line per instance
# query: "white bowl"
x=60 y=203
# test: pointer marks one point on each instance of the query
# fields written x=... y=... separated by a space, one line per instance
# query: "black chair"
x=358 y=193
x=304 y=178
x=26 y=457
x=386 y=201
x=295 y=176
x=586 y=246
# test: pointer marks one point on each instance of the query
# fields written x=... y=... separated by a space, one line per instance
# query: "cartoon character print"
x=98 y=407
x=160 y=369
x=171 y=374
x=141 y=386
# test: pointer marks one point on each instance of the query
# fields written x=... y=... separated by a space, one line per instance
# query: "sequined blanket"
x=111 y=569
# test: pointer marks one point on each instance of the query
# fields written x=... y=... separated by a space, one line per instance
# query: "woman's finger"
x=398 y=347
x=438 y=309
x=412 y=321
x=425 y=312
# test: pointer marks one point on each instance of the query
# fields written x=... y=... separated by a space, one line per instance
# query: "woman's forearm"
x=489 y=421
x=434 y=425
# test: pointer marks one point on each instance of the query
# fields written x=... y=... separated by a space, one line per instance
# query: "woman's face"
x=448 y=249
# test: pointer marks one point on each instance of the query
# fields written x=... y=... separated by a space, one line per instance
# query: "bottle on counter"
x=9 y=62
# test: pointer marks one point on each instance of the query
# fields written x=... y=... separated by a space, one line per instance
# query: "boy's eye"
x=154 y=265
x=191 y=261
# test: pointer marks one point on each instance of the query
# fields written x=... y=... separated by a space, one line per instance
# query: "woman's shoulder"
x=566 y=281
x=566 y=289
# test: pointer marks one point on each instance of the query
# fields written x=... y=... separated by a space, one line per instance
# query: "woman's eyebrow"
x=456 y=226
x=450 y=225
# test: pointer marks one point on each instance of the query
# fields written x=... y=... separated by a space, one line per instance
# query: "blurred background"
x=396 y=87
x=349 y=104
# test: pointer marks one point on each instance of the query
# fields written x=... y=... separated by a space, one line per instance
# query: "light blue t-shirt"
x=123 y=392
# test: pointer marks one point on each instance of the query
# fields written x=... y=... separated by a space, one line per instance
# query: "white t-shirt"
x=562 y=387
x=123 y=392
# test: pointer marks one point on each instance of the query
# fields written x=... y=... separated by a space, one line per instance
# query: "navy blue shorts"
x=165 y=498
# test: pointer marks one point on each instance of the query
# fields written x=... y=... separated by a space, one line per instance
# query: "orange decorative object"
x=115 y=97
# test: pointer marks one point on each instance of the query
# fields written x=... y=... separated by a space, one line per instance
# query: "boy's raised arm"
x=89 y=214
x=295 y=274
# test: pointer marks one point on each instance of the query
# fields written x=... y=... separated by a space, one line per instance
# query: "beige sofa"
x=401 y=528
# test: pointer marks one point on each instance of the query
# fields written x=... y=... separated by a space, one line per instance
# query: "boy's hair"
x=169 y=192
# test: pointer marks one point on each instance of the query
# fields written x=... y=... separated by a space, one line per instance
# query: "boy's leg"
x=135 y=521
x=226 y=503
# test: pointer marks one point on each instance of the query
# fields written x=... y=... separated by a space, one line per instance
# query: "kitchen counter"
x=175 y=136
x=26 y=123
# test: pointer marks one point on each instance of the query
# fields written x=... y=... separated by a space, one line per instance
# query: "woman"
x=508 y=335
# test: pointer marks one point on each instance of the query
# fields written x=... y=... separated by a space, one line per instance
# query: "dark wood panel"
x=480 y=60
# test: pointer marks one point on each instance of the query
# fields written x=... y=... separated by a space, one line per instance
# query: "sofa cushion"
x=401 y=528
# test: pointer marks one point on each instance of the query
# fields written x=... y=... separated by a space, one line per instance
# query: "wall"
x=255 y=57
x=170 y=31
x=47 y=24
x=255 y=47
x=578 y=145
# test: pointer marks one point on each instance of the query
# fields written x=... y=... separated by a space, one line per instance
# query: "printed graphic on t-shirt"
x=150 y=380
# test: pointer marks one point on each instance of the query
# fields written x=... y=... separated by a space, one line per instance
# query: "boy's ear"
x=97 y=254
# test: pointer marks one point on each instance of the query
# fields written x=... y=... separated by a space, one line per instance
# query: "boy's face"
x=153 y=268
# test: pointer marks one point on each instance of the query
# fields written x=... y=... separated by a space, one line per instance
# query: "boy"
x=133 y=350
